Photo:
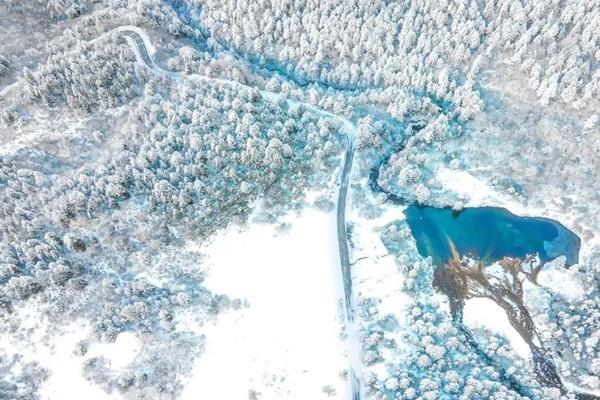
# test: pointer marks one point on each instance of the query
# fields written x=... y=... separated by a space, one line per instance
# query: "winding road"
x=140 y=45
x=137 y=39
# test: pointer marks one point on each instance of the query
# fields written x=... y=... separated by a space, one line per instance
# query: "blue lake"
x=488 y=234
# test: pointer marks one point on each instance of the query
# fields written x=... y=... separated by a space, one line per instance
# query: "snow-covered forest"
x=137 y=135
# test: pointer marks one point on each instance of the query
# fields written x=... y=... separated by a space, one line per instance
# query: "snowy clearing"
x=56 y=354
x=476 y=192
x=286 y=344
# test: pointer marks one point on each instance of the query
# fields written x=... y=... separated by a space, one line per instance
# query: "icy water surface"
x=488 y=234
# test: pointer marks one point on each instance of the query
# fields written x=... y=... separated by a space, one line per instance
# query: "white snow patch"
x=286 y=344
x=563 y=282
x=120 y=353
x=578 y=388
x=557 y=278
x=476 y=192
x=484 y=313
x=66 y=380
x=55 y=353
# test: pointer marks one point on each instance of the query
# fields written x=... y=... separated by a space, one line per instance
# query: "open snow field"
x=287 y=343
x=55 y=352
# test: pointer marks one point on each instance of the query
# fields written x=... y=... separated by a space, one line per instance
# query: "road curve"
x=140 y=44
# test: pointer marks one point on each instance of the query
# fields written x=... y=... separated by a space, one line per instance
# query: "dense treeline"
x=427 y=47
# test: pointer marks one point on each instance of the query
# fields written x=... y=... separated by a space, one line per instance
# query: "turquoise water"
x=488 y=234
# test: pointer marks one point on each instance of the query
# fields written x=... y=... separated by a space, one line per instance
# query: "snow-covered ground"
x=66 y=366
x=55 y=352
x=375 y=273
x=287 y=343
x=474 y=191
x=565 y=282
x=374 y=270
x=484 y=313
